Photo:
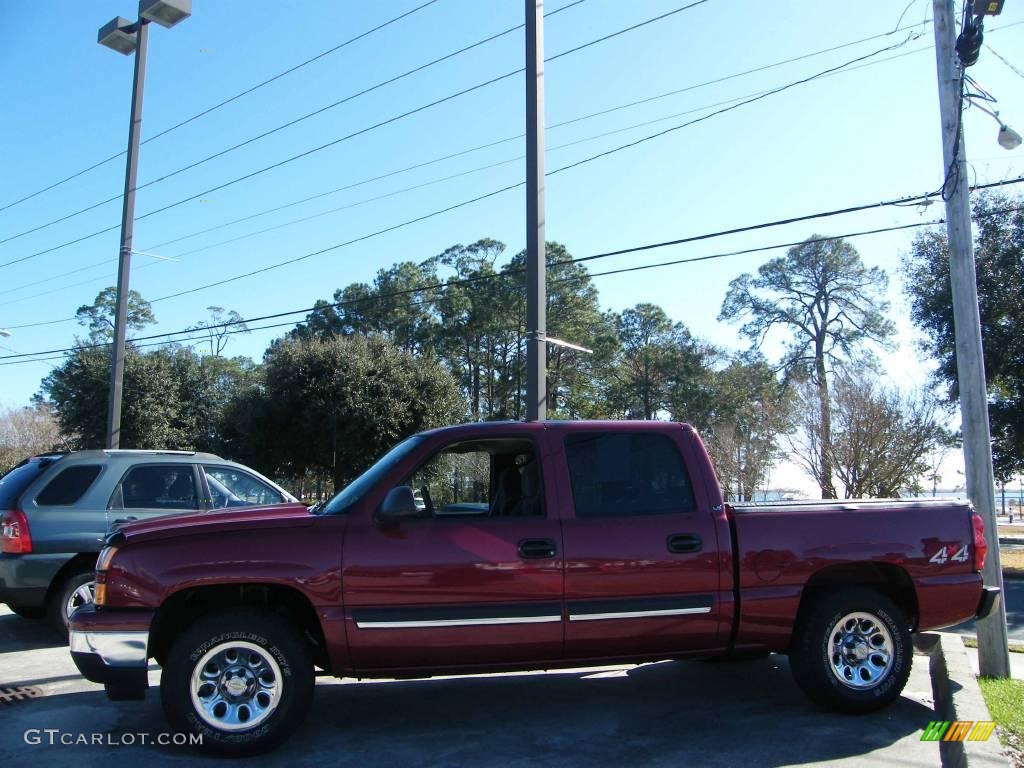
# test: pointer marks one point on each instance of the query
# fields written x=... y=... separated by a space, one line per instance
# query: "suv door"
x=641 y=549
x=472 y=576
x=156 y=489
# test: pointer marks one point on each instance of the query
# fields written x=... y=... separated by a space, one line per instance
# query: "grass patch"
x=972 y=642
x=1012 y=562
x=1005 y=700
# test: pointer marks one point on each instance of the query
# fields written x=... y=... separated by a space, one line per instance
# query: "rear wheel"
x=75 y=591
x=243 y=680
x=852 y=651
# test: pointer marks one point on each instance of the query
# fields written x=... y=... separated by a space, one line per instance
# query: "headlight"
x=102 y=566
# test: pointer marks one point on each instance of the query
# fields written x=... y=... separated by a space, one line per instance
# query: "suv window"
x=68 y=486
x=231 y=487
x=622 y=474
x=496 y=478
x=14 y=483
x=161 y=486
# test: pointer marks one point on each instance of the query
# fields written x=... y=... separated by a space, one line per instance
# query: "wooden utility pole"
x=993 y=651
x=536 y=266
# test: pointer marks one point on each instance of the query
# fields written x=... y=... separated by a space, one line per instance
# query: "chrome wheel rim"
x=84 y=595
x=235 y=686
x=860 y=650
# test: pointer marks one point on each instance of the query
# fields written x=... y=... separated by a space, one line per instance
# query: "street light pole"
x=124 y=265
x=121 y=36
x=993 y=652
x=536 y=293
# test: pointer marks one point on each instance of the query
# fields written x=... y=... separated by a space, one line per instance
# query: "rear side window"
x=622 y=474
x=14 y=483
x=68 y=486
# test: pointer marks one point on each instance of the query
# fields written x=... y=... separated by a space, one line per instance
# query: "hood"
x=275 y=516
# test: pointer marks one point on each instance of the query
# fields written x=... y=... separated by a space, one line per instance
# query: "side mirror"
x=399 y=503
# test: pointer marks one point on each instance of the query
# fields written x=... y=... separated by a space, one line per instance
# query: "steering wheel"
x=427 y=500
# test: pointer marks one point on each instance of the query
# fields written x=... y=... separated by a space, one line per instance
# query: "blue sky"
x=865 y=135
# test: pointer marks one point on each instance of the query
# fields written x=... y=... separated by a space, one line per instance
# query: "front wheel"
x=852 y=651
x=241 y=680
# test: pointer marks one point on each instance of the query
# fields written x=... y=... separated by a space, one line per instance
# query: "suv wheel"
x=852 y=651
x=242 y=680
x=72 y=593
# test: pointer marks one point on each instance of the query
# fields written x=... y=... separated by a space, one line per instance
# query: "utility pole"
x=536 y=266
x=127 y=225
x=993 y=651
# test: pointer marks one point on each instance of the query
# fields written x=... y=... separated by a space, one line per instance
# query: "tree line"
x=443 y=340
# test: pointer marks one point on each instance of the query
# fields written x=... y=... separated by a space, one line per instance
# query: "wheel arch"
x=83 y=562
x=184 y=607
x=891 y=580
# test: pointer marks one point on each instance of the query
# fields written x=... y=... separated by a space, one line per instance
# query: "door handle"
x=681 y=543
x=537 y=549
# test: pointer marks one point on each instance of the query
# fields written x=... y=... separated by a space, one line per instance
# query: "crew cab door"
x=642 y=565
x=472 y=576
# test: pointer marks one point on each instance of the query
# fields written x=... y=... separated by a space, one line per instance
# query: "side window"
x=486 y=478
x=68 y=486
x=231 y=487
x=622 y=474
x=164 y=486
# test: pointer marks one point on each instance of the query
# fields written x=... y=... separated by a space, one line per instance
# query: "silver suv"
x=57 y=508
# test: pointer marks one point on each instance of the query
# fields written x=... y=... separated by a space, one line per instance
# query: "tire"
x=28 y=612
x=852 y=651
x=255 y=658
x=76 y=590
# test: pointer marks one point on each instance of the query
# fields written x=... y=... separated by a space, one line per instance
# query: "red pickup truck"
x=512 y=546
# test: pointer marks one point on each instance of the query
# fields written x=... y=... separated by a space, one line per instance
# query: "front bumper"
x=108 y=649
x=989 y=595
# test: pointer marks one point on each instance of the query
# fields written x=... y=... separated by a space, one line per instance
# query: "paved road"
x=1013 y=598
x=662 y=714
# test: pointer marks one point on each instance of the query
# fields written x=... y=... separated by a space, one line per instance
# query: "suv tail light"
x=16 y=537
x=980 y=547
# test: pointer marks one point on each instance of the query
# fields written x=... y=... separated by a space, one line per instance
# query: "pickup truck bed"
x=504 y=546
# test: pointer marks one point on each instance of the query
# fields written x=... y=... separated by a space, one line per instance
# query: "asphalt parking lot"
x=663 y=714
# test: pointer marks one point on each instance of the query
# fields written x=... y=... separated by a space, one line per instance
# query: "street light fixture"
x=118 y=35
x=125 y=37
x=166 y=13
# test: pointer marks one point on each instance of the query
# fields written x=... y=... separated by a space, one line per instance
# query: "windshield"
x=354 y=491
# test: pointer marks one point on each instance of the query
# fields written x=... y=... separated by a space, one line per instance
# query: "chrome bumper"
x=114 y=649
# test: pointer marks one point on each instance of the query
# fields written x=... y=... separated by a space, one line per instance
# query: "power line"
x=229 y=100
x=619 y=252
x=751 y=100
x=494 y=143
x=824 y=73
x=504 y=274
x=290 y=123
x=742 y=101
x=352 y=135
x=514 y=186
x=1005 y=61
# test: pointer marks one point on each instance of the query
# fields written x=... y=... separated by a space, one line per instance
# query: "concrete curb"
x=958 y=697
